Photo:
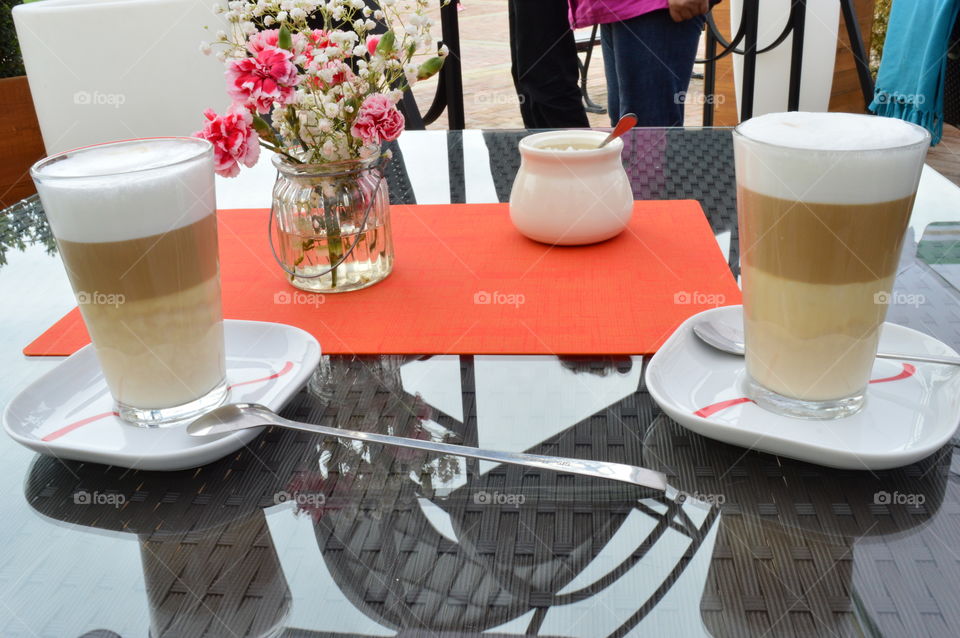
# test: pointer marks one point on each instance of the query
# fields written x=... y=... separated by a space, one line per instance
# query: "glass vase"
x=332 y=224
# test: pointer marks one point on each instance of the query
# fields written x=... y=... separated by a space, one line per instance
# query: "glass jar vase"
x=331 y=224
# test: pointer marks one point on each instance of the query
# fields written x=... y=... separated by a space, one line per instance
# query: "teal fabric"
x=910 y=84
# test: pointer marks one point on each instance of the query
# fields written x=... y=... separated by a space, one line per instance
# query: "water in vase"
x=314 y=252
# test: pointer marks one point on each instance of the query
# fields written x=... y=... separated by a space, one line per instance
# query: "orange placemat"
x=466 y=282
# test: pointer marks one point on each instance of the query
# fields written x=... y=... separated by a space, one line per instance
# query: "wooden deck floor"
x=945 y=156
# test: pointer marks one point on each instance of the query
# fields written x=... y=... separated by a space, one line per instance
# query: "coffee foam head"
x=838 y=158
x=126 y=190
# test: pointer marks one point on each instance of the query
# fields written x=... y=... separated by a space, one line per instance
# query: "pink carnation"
x=233 y=139
x=377 y=121
x=372 y=43
x=260 y=81
x=263 y=40
x=302 y=43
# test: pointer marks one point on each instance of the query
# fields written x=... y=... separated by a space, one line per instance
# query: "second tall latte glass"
x=136 y=226
x=823 y=203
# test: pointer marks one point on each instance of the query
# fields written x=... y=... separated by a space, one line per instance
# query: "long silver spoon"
x=625 y=123
x=240 y=416
x=727 y=338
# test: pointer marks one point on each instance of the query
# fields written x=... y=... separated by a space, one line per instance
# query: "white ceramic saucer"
x=68 y=412
x=912 y=409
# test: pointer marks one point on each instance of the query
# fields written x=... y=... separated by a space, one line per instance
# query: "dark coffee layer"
x=145 y=267
x=821 y=243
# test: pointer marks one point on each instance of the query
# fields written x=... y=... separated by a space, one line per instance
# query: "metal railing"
x=747 y=35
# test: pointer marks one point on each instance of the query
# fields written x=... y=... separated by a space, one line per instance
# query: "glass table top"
x=299 y=535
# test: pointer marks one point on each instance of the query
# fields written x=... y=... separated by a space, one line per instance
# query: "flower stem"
x=277 y=149
x=331 y=225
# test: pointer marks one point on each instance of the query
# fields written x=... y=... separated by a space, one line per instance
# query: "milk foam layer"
x=122 y=191
x=838 y=158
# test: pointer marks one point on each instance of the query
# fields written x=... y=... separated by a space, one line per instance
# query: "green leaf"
x=264 y=130
x=284 y=39
x=388 y=41
x=429 y=68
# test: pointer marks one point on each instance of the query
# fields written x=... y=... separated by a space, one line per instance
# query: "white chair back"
x=102 y=70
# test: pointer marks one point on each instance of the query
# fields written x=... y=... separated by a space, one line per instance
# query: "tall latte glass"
x=823 y=204
x=136 y=226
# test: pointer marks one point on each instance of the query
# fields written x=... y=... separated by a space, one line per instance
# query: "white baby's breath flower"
x=298 y=14
x=444 y=51
x=328 y=150
x=269 y=20
x=410 y=72
x=360 y=50
x=327 y=74
x=205 y=48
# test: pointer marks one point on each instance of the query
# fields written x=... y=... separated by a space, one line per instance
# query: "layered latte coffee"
x=824 y=200
x=136 y=226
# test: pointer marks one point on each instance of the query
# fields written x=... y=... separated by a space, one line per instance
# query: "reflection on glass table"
x=301 y=536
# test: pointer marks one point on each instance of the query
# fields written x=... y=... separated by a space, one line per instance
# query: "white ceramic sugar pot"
x=568 y=191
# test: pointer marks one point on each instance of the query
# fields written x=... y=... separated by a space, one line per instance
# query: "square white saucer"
x=69 y=413
x=912 y=409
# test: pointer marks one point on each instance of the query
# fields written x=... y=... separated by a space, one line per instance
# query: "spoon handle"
x=597 y=469
x=922 y=358
x=626 y=123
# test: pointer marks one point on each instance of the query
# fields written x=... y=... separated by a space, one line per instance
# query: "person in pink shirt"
x=648 y=51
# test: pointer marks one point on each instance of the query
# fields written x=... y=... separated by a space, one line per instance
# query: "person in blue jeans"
x=649 y=47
